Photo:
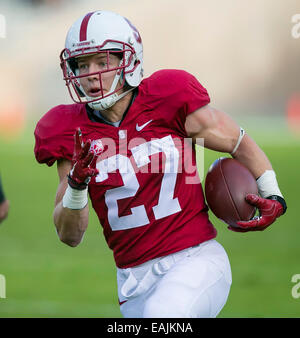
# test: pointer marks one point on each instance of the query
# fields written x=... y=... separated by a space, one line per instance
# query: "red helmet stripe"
x=83 y=27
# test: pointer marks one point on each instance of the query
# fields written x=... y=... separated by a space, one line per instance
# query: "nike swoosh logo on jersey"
x=139 y=128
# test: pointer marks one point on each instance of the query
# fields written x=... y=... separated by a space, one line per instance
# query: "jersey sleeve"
x=53 y=137
x=189 y=97
x=178 y=89
x=194 y=95
x=177 y=93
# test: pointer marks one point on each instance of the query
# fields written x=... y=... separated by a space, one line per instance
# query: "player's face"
x=93 y=64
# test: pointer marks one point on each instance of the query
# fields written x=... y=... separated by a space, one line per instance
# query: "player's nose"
x=93 y=71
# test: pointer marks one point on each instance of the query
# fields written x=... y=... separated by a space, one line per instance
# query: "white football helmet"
x=103 y=32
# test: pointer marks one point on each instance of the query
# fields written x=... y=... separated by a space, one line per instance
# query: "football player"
x=4 y=204
x=123 y=143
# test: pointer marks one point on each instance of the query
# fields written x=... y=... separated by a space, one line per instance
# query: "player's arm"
x=70 y=223
x=221 y=133
x=71 y=203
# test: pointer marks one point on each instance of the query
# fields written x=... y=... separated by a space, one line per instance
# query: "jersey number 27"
x=167 y=204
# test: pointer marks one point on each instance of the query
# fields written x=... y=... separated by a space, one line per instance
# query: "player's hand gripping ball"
x=269 y=208
x=231 y=193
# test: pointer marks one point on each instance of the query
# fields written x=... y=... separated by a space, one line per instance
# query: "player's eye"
x=102 y=64
x=83 y=67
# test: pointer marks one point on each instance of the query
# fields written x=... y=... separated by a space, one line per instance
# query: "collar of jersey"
x=96 y=116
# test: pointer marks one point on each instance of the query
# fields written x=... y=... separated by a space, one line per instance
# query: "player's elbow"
x=69 y=241
x=68 y=232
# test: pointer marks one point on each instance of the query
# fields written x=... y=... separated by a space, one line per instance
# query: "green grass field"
x=45 y=278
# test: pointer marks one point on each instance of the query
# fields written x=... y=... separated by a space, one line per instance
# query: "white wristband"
x=267 y=184
x=75 y=199
x=242 y=134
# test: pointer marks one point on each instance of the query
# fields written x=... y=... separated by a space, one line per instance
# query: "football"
x=226 y=186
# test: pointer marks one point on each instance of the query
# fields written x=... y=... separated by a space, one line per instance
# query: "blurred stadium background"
x=244 y=53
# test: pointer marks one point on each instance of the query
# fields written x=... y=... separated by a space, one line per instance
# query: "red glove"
x=269 y=209
x=84 y=163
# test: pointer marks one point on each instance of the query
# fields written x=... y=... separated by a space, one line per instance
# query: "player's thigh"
x=197 y=286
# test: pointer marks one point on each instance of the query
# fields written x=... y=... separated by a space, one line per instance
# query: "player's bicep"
x=219 y=131
x=200 y=120
x=63 y=168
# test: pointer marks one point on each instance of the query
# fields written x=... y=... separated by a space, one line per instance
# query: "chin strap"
x=108 y=101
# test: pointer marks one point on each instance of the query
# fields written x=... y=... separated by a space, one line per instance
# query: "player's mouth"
x=95 y=92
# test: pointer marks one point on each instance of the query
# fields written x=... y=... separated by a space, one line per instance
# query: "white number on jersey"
x=167 y=204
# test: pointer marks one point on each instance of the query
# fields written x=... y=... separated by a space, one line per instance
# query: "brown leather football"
x=226 y=186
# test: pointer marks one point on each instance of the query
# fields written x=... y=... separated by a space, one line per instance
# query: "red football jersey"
x=148 y=196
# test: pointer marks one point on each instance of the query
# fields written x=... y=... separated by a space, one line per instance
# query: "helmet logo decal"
x=135 y=31
x=83 y=27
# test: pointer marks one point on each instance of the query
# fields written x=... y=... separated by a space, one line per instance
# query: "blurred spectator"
x=4 y=204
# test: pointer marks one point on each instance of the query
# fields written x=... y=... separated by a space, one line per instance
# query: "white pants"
x=192 y=283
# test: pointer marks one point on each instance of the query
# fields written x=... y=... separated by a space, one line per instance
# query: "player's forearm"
x=70 y=224
x=252 y=156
